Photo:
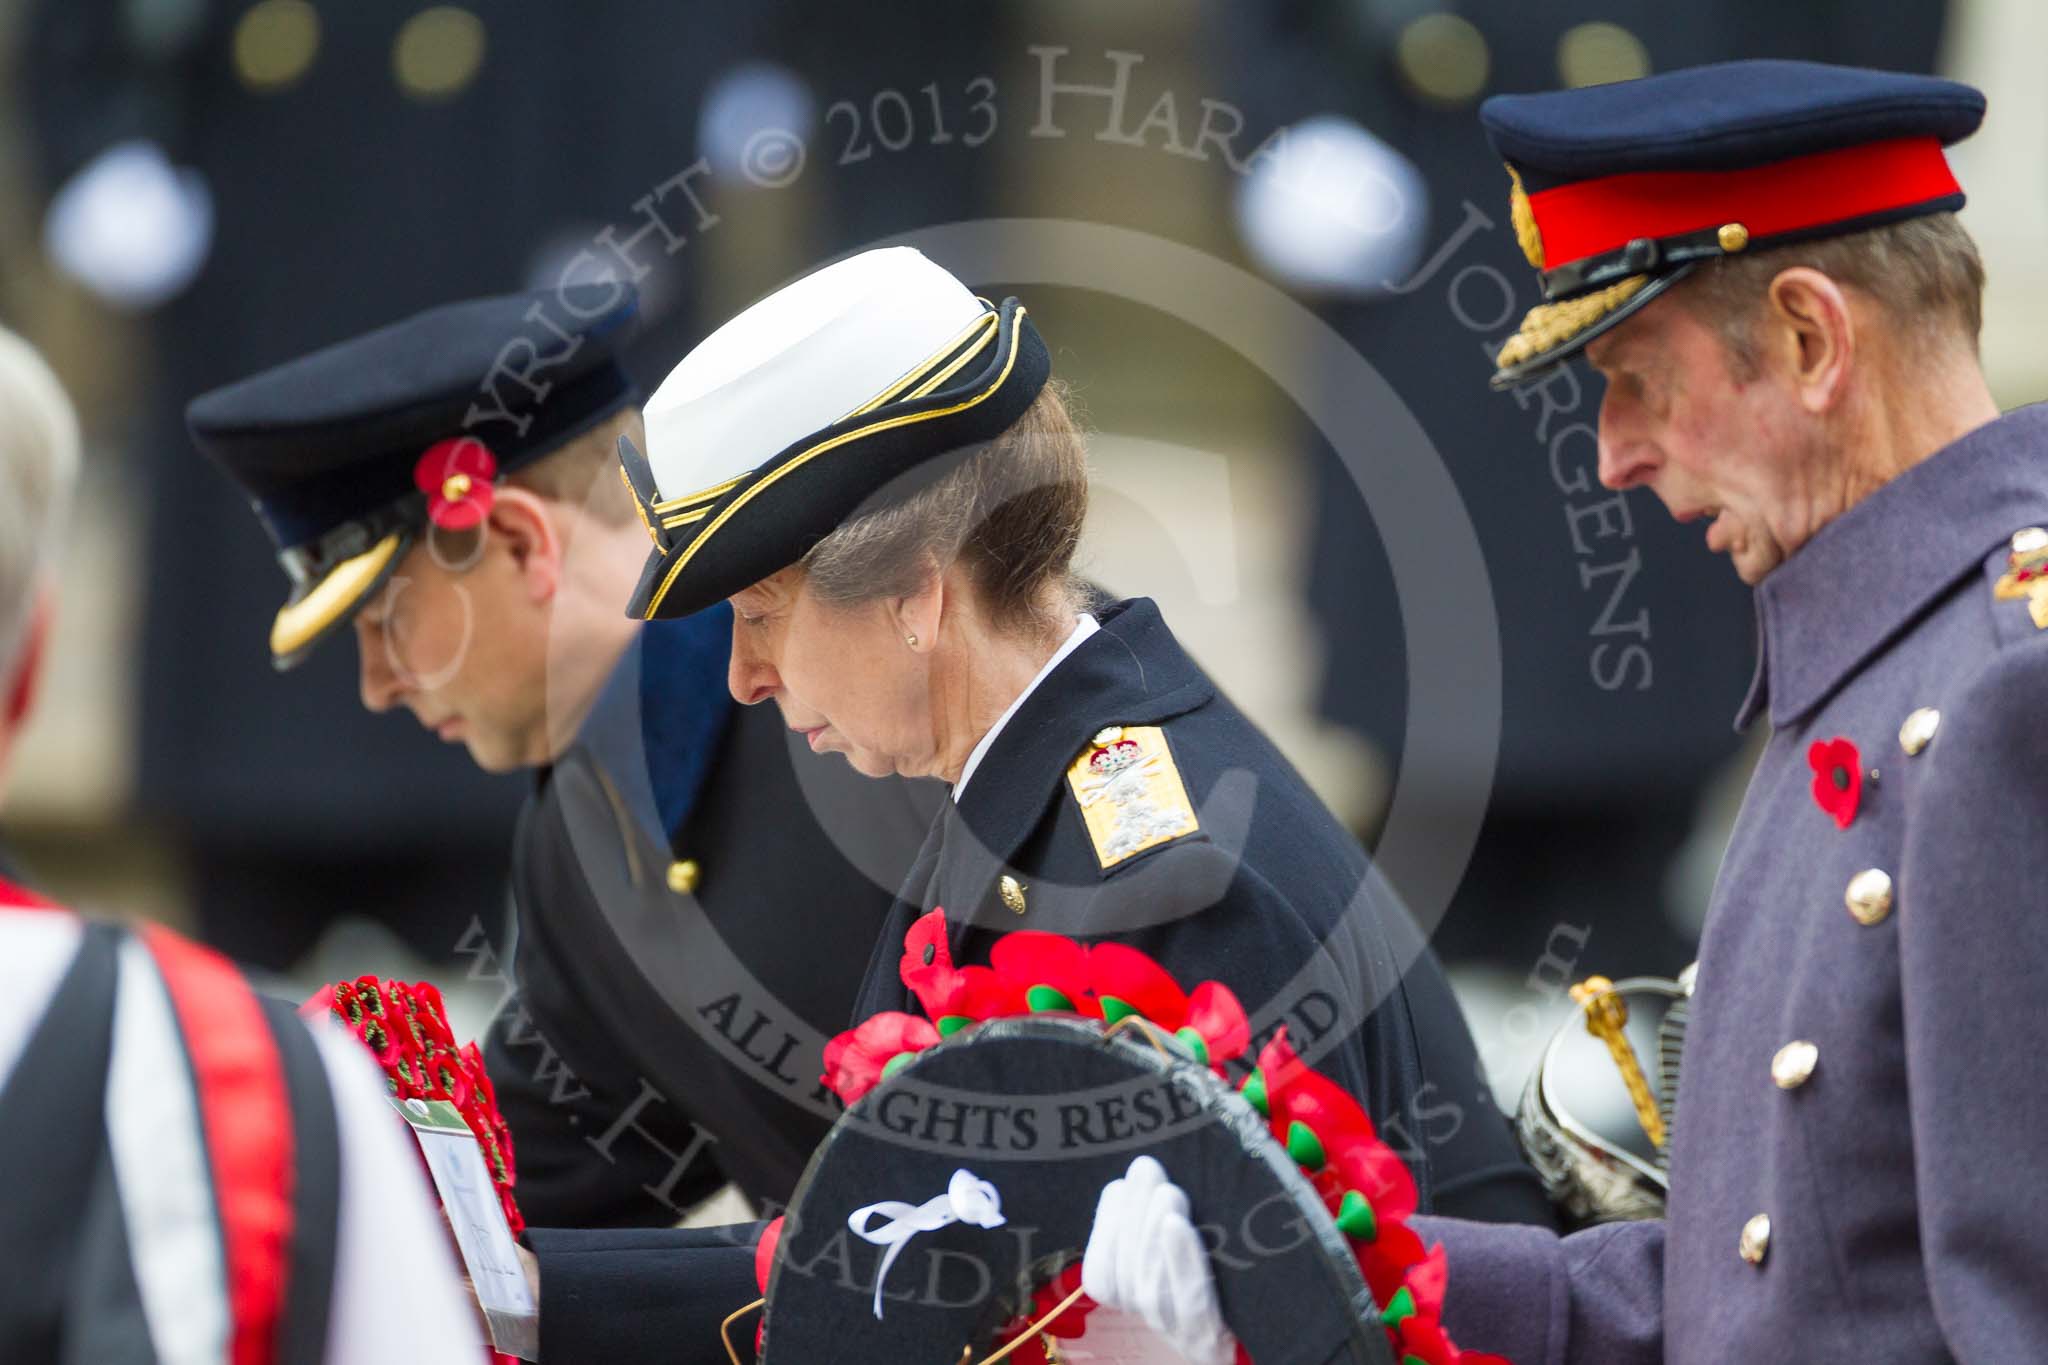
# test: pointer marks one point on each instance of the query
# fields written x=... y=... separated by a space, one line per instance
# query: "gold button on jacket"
x=1918 y=730
x=1794 y=1063
x=1869 y=896
x=1755 y=1241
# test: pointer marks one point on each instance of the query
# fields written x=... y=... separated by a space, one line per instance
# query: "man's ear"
x=522 y=527
x=917 y=616
x=1813 y=335
x=27 y=667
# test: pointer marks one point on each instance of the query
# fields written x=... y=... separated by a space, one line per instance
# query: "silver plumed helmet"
x=1595 y=1168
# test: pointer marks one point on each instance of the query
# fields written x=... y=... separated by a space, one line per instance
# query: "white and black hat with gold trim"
x=848 y=390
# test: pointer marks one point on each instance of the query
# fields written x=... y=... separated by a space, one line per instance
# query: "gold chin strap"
x=638 y=506
x=1607 y=1020
x=340 y=592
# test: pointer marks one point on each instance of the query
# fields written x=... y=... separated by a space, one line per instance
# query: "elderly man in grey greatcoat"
x=1763 y=261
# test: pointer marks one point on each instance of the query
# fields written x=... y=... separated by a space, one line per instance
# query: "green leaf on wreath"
x=1043 y=998
x=1305 y=1147
x=1356 y=1219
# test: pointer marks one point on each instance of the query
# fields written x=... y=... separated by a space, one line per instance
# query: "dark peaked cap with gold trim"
x=347 y=453
x=843 y=392
x=1622 y=190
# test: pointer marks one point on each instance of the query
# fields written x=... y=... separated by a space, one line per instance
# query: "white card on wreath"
x=456 y=1162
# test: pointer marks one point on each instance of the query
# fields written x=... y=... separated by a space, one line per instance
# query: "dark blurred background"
x=197 y=189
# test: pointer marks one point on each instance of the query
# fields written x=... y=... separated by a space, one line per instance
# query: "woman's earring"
x=910 y=640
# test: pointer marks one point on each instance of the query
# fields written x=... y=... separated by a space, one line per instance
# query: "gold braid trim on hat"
x=1553 y=324
x=639 y=506
x=1524 y=218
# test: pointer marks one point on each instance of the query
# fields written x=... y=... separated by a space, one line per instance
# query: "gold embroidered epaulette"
x=2027 y=574
x=1130 y=793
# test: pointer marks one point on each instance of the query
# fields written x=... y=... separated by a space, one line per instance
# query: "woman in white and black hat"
x=875 y=468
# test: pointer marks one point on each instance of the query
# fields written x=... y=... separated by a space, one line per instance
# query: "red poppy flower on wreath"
x=952 y=998
x=456 y=476
x=859 y=1059
x=1113 y=981
x=1050 y=969
x=473 y=1070
x=1031 y=972
x=1837 y=778
x=1364 y=1183
x=423 y=1005
x=406 y=1029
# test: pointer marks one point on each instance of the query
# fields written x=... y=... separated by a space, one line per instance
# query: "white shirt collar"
x=1084 y=626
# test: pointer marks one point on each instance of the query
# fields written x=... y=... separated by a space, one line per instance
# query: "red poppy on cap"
x=456 y=476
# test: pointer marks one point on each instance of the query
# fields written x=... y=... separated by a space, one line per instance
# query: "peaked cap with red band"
x=1622 y=190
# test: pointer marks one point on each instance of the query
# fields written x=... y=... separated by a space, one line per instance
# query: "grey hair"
x=38 y=466
x=1011 y=513
x=1925 y=273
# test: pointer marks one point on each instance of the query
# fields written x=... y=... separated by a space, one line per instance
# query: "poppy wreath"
x=1363 y=1183
x=406 y=1030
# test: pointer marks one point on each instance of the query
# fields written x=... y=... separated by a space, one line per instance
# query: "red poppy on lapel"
x=1837 y=778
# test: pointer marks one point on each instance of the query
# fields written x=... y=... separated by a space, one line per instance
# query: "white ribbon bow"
x=968 y=1199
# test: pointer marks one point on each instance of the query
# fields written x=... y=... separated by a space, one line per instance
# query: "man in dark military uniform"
x=1762 y=260
x=447 y=484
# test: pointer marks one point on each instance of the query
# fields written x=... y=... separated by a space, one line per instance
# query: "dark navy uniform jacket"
x=1880 y=1190
x=667 y=1025
x=1265 y=892
x=1268 y=894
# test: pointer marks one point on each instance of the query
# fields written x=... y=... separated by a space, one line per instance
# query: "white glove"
x=130 y=226
x=1145 y=1258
